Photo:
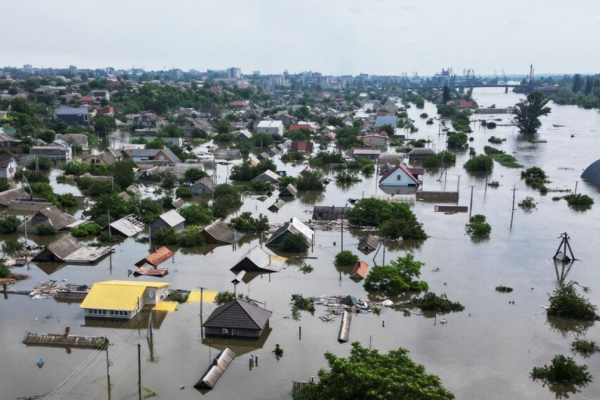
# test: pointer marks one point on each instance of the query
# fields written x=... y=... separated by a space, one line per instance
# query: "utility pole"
x=458 y=185
x=108 y=370
x=201 y=297
x=140 y=370
x=108 y=214
x=512 y=214
x=471 y=204
x=576 y=182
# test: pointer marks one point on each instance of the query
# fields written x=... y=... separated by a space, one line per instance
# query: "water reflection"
x=237 y=345
x=569 y=327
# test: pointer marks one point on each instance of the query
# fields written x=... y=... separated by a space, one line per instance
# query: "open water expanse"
x=484 y=352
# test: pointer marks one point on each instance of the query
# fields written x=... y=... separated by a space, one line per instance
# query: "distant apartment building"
x=72 y=116
x=234 y=73
x=270 y=127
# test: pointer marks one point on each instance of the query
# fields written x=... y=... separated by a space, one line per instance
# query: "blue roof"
x=386 y=120
x=71 y=111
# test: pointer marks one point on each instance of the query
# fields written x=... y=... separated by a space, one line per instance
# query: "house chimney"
x=67 y=331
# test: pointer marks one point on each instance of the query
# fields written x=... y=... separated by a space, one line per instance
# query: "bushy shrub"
x=245 y=222
x=294 y=243
x=565 y=302
x=45 y=230
x=345 y=258
x=9 y=224
x=184 y=192
x=439 y=304
x=478 y=228
x=397 y=278
x=85 y=230
x=563 y=371
x=166 y=236
x=579 y=200
x=480 y=163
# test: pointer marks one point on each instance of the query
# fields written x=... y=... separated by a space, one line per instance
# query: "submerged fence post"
x=300 y=332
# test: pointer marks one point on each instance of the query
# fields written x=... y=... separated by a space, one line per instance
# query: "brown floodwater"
x=484 y=352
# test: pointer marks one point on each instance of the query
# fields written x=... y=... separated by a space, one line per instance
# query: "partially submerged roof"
x=258 y=260
x=222 y=233
x=172 y=218
x=403 y=168
x=294 y=226
x=349 y=301
x=207 y=182
x=289 y=191
x=129 y=225
x=118 y=295
x=330 y=213
x=592 y=173
x=278 y=205
x=52 y=216
x=368 y=242
x=216 y=369
x=359 y=270
x=267 y=176
x=12 y=194
x=69 y=249
x=238 y=314
x=158 y=257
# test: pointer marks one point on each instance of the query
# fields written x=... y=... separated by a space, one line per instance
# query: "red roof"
x=295 y=127
x=302 y=146
x=359 y=270
x=86 y=99
x=403 y=168
x=239 y=103
x=463 y=103
x=159 y=256
x=105 y=110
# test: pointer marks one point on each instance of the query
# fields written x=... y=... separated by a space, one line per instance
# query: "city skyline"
x=335 y=38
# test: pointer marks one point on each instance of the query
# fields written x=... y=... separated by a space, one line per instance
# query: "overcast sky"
x=334 y=37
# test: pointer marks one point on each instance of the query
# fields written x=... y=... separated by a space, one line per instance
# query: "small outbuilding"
x=258 y=260
x=292 y=227
x=158 y=257
x=204 y=186
x=268 y=176
x=216 y=369
x=127 y=226
x=359 y=271
x=278 y=205
x=420 y=153
x=220 y=233
x=368 y=243
x=330 y=213
x=170 y=219
x=238 y=318
x=349 y=301
x=289 y=191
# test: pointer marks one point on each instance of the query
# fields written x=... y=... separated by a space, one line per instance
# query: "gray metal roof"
x=51 y=216
x=12 y=194
x=330 y=213
x=592 y=173
x=71 y=111
x=222 y=232
x=172 y=218
x=216 y=369
x=268 y=176
x=294 y=226
x=278 y=205
x=290 y=190
x=64 y=246
x=129 y=225
x=238 y=314
x=368 y=242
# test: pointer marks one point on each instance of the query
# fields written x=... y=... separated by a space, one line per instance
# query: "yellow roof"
x=207 y=297
x=117 y=295
x=166 y=306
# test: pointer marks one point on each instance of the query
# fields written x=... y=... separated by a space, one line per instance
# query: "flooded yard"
x=484 y=352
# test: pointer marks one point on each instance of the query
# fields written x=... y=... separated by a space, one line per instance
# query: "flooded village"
x=214 y=235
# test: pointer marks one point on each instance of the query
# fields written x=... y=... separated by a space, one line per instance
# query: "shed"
x=368 y=243
x=220 y=233
x=420 y=153
x=52 y=216
x=217 y=368
x=278 y=205
x=592 y=173
x=238 y=318
x=170 y=219
x=359 y=271
x=289 y=191
x=268 y=176
x=69 y=249
x=292 y=227
x=158 y=257
x=204 y=186
x=127 y=226
x=258 y=260
x=330 y=213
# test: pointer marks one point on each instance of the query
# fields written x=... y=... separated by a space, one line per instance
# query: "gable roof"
x=12 y=194
x=172 y=218
x=359 y=270
x=128 y=226
x=368 y=242
x=206 y=182
x=294 y=226
x=401 y=167
x=54 y=216
x=261 y=260
x=6 y=160
x=268 y=176
x=238 y=314
x=222 y=232
x=158 y=257
x=290 y=190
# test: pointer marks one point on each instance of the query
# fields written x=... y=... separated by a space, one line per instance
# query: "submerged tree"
x=369 y=375
x=528 y=112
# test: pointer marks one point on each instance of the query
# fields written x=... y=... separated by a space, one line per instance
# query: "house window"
x=224 y=330
x=399 y=178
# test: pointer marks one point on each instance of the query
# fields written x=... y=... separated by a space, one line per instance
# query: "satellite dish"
x=151 y=294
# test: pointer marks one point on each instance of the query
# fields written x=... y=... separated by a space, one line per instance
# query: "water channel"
x=485 y=352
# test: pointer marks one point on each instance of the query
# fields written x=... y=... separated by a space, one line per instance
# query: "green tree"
x=577 y=83
x=196 y=214
x=397 y=278
x=103 y=124
x=345 y=258
x=166 y=237
x=528 y=112
x=194 y=174
x=369 y=375
x=457 y=140
x=245 y=222
x=123 y=174
x=310 y=180
x=4 y=185
x=12 y=246
x=9 y=224
x=396 y=218
x=295 y=243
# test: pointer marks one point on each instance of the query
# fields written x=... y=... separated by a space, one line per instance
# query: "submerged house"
x=204 y=186
x=69 y=249
x=237 y=318
x=292 y=227
x=359 y=271
x=121 y=299
x=289 y=191
x=220 y=233
x=11 y=195
x=592 y=173
x=168 y=220
x=268 y=176
x=52 y=216
x=330 y=213
x=399 y=177
x=368 y=243
x=127 y=226
x=158 y=257
x=258 y=260
x=215 y=370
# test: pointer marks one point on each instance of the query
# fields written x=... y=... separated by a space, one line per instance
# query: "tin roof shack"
x=127 y=226
x=237 y=318
x=170 y=219
x=368 y=243
x=268 y=176
x=289 y=191
x=10 y=195
x=330 y=213
x=220 y=233
x=121 y=299
x=158 y=257
x=68 y=249
x=359 y=271
x=292 y=227
x=258 y=260
x=52 y=216
x=216 y=369
x=366 y=153
x=204 y=186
